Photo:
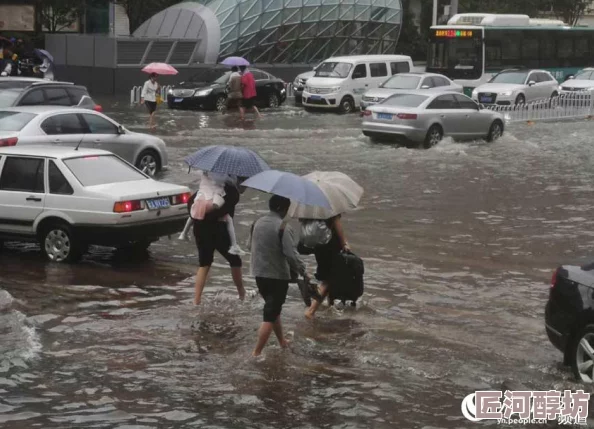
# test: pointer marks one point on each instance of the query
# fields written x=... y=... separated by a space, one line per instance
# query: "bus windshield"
x=456 y=57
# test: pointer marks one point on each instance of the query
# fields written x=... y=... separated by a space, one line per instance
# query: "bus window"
x=530 y=50
x=505 y=51
x=547 y=51
x=581 y=49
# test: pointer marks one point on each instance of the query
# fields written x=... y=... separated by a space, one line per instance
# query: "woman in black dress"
x=325 y=254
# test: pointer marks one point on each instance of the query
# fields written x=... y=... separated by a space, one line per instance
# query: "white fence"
x=579 y=104
x=137 y=91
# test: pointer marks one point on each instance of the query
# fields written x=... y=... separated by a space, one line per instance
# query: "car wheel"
x=495 y=132
x=582 y=355
x=520 y=100
x=59 y=244
x=433 y=137
x=347 y=105
x=148 y=162
x=273 y=100
x=221 y=103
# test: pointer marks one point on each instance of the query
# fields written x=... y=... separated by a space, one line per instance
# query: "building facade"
x=285 y=31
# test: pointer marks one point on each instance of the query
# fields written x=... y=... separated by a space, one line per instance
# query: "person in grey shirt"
x=274 y=255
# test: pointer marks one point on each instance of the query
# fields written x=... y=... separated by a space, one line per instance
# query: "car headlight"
x=170 y=91
x=506 y=93
x=475 y=92
x=203 y=92
x=335 y=89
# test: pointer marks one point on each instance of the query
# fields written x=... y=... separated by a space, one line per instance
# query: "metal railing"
x=137 y=91
x=579 y=104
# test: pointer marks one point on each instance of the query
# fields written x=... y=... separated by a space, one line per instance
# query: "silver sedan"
x=404 y=82
x=425 y=119
x=73 y=127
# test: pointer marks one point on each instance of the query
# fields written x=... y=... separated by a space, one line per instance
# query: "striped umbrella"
x=236 y=161
x=342 y=192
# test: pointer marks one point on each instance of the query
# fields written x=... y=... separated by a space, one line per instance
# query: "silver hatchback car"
x=425 y=119
x=66 y=126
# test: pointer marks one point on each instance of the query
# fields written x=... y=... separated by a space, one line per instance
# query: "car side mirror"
x=570 y=77
x=531 y=83
x=121 y=130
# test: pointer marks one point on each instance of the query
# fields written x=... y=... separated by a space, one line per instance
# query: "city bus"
x=473 y=47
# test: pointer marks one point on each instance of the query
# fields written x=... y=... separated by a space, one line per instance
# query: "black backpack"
x=346 y=279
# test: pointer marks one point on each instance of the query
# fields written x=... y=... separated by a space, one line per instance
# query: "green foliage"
x=570 y=10
x=57 y=15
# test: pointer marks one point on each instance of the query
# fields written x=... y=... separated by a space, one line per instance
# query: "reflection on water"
x=459 y=242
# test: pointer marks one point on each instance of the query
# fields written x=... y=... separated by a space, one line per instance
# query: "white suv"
x=68 y=199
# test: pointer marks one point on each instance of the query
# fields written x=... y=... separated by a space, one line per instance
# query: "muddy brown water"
x=459 y=242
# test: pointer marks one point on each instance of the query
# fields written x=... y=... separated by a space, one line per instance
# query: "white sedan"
x=67 y=200
x=517 y=87
x=74 y=127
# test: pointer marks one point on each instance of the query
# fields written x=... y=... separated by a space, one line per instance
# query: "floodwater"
x=459 y=242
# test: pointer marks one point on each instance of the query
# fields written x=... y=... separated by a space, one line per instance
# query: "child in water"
x=210 y=197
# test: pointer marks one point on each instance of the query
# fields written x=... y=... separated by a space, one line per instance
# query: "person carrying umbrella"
x=148 y=97
x=275 y=261
x=343 y=194
x=211 y=232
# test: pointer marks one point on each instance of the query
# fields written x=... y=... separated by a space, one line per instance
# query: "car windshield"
x=333 y=70
x=14 y=121
x=9 y=95
x=402 y=82
x=585 y=75
x=515 y=77
x=405 y=100
x=102 y=170
x=223 y=79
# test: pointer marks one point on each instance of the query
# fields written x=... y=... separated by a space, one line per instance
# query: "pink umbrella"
x=160 y=68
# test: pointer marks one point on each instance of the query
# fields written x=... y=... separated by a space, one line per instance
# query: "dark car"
x=17 y=92
x=210 y=91
x=569 y=318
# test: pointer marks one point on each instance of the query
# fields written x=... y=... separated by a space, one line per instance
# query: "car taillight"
x=366 y=113
x=406 y=116
x=554 y=279
x=127 y=206
x=98 y=108
x=9 y=142
x=180 y=199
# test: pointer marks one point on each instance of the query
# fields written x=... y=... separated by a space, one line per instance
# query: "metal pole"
x=435 y=6
x=453 y=7
x=112 y=18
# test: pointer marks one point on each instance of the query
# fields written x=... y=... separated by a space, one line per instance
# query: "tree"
x=56 y=15
x=571 y=11
x=523 y=7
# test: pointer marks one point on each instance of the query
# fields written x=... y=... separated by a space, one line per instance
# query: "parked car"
x=583 y=81
x=211 y=93
x=339 y=82
x=569 y=319
x=30 y=91
x=517 y=86
x=63 y=126
x=423 y=118
x=404 y=82
x=69 y=199
x=299 y=84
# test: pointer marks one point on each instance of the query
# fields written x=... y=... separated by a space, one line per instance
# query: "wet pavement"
x=459 y=242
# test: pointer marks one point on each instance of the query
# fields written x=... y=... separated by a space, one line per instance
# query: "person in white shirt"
x=148 y=97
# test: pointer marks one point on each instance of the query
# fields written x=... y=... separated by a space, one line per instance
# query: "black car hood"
x=196 y=85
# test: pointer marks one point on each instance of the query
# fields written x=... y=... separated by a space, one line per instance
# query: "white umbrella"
x=342 y=192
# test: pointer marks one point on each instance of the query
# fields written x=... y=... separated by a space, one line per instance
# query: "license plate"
x=315 y=97
x=486 y=100
x=178 y=100
x=158 y=203
x=387 y=116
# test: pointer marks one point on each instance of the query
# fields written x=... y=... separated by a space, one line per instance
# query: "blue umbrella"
x=290 y=186
x=43 y=53
x=235 y=61
x=236 y=161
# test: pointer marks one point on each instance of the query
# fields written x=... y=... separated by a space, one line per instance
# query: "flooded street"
x=459 y=242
